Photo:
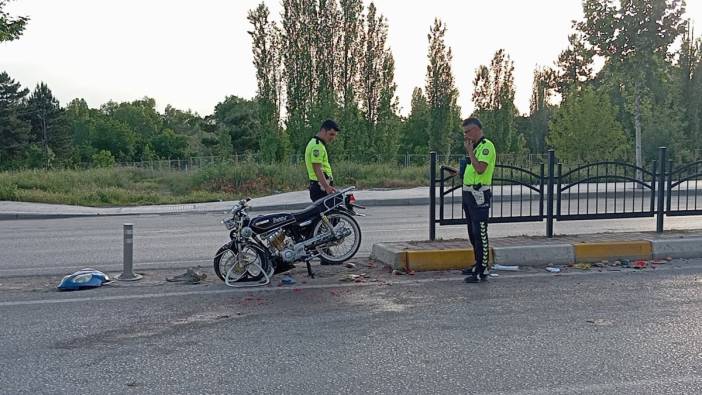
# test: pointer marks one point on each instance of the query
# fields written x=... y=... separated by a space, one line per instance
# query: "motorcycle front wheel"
x=339 y=251
x=243 y=261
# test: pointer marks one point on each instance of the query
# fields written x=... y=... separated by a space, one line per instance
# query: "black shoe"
x=467 y=272
x=472 y=279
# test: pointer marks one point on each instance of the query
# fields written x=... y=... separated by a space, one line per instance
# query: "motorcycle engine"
x=277 y=240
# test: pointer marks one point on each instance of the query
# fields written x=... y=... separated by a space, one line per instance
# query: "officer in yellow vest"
x=477 y=195
x=319 y=172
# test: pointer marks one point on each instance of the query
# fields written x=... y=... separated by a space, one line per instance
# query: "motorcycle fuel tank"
x=266 y=223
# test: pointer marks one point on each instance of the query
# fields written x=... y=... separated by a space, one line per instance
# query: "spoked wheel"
x=339 y=251
x=240 y=264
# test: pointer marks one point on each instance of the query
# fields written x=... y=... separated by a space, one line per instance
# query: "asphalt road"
x=56 y=246
x=521 y=333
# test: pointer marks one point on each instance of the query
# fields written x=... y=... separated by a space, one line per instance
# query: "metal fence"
x=549 y=191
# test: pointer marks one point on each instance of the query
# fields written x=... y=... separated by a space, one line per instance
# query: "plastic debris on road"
x=583 y=266
x=287 y=280
x=83 y=279
x=553 y=269
x=191 y=276
x=506 y=268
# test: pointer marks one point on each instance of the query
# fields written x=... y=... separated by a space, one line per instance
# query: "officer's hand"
x=468 y=143
x=329 y=189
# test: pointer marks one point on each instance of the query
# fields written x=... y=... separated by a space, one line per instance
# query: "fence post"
x=549 y=193
x=128 y=261
x=661 y=184
x=432 y=196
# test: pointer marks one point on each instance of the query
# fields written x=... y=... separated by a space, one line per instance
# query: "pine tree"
x=49 y=129
x=14 y=130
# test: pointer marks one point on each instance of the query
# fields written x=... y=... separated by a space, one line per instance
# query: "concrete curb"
x=537 y=255
x=677 y=248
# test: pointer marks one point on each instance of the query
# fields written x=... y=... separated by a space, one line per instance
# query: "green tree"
x=14 y=130
x=239 y=118
x=103 y=158
x=348 y=72
x=113 y=136
x=377 y=89
x=540 y=109
x=441 y=93
x=49 y=127
x=267 y=59
x=299 y=26
x=415 y=130
x=169 y=145
x=10 y=28
x=634 y=36
x=493 y=96
x=577 y=138
x=574 y=65
x=690 y=87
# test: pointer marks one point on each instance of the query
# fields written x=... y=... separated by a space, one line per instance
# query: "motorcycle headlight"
x=229 y=223
x=246 y=232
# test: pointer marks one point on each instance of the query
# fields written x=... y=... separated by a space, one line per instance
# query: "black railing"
x=600 y=190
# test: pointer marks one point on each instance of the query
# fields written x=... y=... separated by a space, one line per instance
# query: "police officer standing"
x=319 y=171
x=477 y=196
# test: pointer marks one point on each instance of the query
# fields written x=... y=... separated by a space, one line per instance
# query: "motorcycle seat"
x=309 y=212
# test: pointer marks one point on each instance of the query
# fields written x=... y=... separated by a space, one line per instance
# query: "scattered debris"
x=397 y=272
x=494 y=275
x=599 y=322
x=350 y=265
x=355 y=278
x=287 y=280
x=553 y=269
x=670 y=258
x=640 y=264
x=191 y=276
x=506 y=268
x=82 y=279
x=582 y=266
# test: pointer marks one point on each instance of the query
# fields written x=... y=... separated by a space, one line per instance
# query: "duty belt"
x=468 y=188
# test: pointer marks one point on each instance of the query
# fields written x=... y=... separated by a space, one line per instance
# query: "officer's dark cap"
x=330 y=125
x=472 y=121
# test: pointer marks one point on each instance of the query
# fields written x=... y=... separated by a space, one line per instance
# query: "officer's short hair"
x=472 y=121
x=330 y=125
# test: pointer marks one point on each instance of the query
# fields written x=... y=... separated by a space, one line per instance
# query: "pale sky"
x=192 y=54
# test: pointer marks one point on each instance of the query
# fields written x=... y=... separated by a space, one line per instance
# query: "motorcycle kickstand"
x=309 y=268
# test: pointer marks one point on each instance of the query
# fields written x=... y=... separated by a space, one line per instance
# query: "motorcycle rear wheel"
x=340 y=251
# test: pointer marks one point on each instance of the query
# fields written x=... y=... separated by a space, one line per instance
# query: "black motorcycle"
x=264 y=245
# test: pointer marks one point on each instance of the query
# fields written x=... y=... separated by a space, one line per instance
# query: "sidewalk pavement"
x=285 y=202
x=603 y=249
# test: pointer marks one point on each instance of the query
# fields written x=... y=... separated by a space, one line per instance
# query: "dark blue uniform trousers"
x=477 y=217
